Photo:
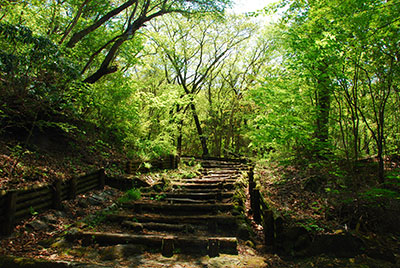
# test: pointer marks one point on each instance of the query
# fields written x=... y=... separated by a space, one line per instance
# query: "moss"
x=19 y=262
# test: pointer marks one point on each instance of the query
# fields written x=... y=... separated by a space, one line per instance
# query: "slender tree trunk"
x=323 y=103
x=203 y=139
x=381 y=163
x=74 y=22
x=179 y=139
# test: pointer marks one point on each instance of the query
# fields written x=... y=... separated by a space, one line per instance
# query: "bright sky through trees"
x=242 y=6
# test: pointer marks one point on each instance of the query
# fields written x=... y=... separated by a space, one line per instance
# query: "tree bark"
x=323 y=107
x=131 y=30
x=179 y=139
x=74 y=22
x=203 y=139
x=81 y=34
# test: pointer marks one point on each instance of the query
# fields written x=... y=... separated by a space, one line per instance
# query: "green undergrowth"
x=329 y=196
x=130 y=195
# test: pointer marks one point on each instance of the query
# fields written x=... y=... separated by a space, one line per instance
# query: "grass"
x=131 y=195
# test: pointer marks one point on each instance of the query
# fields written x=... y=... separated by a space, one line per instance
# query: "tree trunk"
x=81 y=34
x=74 y=21
x=179 y=139
x=323 y=107
x=381 y=164
x=203 y=139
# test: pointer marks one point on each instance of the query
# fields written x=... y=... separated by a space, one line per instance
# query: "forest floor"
x=50 y=157
x=327 y=198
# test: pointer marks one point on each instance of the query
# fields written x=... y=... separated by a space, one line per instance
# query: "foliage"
x=131 y=195
x=333 y=91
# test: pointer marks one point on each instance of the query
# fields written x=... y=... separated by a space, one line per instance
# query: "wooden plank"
x=209 y=181
x=89 y=177
x=164 y=207
x=87 y=188
x=57 y=197
x=102 y=179
x=24 y=196
x=65 y=190
x=73 y=188
x=33 y=202
x=188 y=200
x=38 y=207
x=213 y=247
x=167 y=246
x=256 y=211
x=85 y=184
x=187 y=244
x=92 y=180
x=156 y=226
x=269 y=228
x=203 y=186
x=192 y=195
x=9 y=215
x=198 y=219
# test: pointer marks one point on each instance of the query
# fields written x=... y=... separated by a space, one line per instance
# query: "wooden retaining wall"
x=17 y=204
x=263 y=214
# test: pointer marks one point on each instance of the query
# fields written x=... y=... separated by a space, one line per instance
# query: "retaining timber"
x=17 y=204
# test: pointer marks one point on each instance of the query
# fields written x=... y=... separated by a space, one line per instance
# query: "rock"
x=224 y=262
x=60 y=214
x=112 y=207
x=120 y=251
x=80 y=213
x=61 y=243
x=38 y=225
x=95 y=200
x=46 y=243
x=135 y=226
x=50 y=219
x=83 y=203
x=129 y=250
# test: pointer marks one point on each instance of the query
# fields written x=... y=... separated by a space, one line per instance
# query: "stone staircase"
x=196 y=216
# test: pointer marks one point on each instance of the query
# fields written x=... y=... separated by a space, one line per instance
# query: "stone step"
x=202 y=190
x=232 y=175
x=192 y=195
x=221 y=185
x=163 y=227
x=210 y=180
x=230 y=170
x=222 y=165
x=166 y=244
x=177 y=209
x=181 y=200
x=220 y=220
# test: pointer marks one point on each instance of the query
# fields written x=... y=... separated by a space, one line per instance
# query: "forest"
x=311 y=97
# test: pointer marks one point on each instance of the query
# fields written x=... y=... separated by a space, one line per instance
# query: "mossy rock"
x=19 y=262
